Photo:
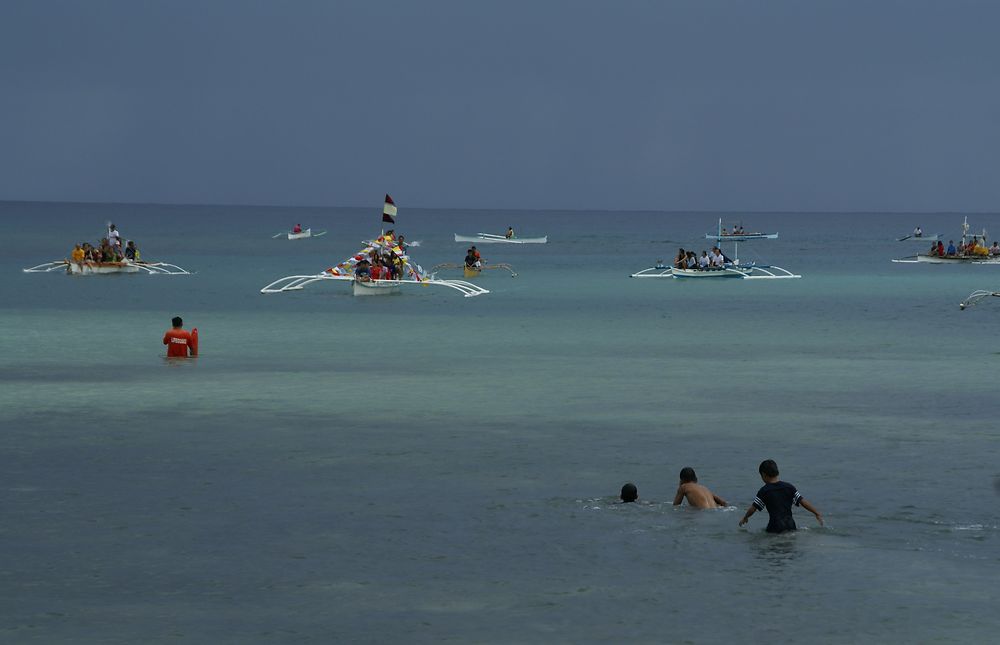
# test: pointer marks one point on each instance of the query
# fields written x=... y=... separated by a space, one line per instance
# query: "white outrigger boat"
x=731 y=269
x=88 y=267
x=489 y=238
x=304 y=233
x=980 y=256
x=384 y=245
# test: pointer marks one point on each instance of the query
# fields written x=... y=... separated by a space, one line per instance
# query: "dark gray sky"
x=660 y=105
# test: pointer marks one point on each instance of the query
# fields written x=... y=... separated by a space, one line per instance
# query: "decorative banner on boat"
x=386 y=247
x=389 y=210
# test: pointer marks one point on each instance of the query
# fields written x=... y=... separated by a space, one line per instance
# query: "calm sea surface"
x=426 y=467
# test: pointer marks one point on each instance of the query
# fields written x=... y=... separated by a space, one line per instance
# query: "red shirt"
x=178 y=342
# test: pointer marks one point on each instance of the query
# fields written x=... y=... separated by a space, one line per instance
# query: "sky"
x=799 y=105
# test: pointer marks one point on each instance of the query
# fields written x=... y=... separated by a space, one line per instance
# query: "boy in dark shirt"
x=777 y=497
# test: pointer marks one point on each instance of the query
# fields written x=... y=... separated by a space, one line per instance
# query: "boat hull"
x=374 y=288
x=714 y=274
x=100 y=268
x=955 y=259
x=298 y=236
x=741 y=238
x=484 y=238
x=471 y=272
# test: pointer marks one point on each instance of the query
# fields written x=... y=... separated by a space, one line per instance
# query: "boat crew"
x=297 y=228
x=131 y=253
x=510 y=232
x=918 y=232
x=78 y=254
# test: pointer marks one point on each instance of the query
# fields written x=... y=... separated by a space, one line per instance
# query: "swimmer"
x=698 y=496
x=629 y=493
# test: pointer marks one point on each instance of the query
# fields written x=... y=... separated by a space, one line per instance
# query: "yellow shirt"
x=78 y=254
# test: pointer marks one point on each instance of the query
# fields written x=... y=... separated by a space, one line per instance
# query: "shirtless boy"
x=697 y=495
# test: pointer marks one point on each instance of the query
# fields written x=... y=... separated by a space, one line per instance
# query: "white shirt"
x=703 y=261
x=718 y=260
x=114 y=239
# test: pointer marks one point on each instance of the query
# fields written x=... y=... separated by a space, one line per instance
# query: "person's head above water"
x=177 y=322
x=629 y=492
x=768 y=469
x=687 y=475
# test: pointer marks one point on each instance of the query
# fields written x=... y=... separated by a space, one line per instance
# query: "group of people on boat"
x=737 y=230
x=108 y=250
x=472 y=258
x=973 y=247
x=706 y=261
x=381 y=263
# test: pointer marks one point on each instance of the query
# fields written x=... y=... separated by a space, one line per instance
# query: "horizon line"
x=550 y=210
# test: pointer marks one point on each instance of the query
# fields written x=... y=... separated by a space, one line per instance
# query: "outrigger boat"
x=304 y=233
x=385 y=245
x=980 y=256
x=472 y=272
x=732 y=268
x=976 y=297
x=88 y=267
x=489 y=238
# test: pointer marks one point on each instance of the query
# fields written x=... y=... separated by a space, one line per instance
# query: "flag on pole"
x=389 y=210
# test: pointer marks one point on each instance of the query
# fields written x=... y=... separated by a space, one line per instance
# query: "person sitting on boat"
x=918 y=232
x=940 y=248
x=718 y=260
x=131 y=253
x=951 y=247
x=362 y=271
x=703 y=261
x=934 y=249
x=724 y=231
x=78 y=254
x=401 y=243
x=692 y=260
x=297 y=228
x=510 y=232
x=472 y=260
x=741 y=230
x=479 y=260
x=681 y=260
x=995 y=249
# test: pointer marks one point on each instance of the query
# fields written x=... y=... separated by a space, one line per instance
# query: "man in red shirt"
x=180 y=342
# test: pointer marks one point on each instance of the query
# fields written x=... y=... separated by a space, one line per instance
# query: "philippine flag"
x=389 y=210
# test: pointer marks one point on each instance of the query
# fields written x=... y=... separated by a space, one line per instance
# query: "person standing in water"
x=180 y=342
x=629 y=493
x=778 y=497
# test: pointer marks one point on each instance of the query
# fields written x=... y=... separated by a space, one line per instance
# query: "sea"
x=425 y=467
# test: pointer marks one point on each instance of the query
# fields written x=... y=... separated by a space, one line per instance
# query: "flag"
x=389 y=210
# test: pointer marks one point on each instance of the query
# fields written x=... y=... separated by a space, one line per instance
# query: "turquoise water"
x=425 y=467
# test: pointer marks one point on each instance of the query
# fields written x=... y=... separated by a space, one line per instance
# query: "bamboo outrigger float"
x=88 y=267
x=976 y=297
x=472 y=271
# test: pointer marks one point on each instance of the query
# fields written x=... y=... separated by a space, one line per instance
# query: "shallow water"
x=425 y=467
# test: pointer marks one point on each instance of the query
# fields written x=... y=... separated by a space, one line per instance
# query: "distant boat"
x=981 y=255
x=490 y=238
x=731 y=269
x=304 y=233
